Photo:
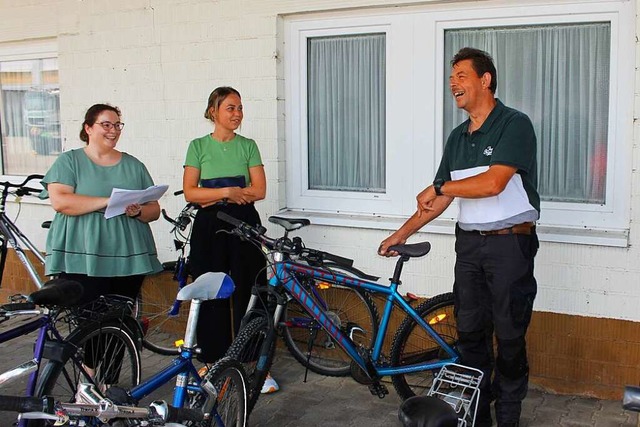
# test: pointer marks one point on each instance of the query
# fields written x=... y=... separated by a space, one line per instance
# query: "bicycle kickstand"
x=313 y=332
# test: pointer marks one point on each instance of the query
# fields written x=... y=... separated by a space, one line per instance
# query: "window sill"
x=546 y=233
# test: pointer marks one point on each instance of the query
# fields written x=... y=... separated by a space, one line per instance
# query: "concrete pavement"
x=341 y=402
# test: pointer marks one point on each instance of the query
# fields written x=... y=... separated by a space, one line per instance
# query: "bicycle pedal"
x=379 y=390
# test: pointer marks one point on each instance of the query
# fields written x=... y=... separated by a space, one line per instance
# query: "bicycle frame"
x=284 y=276
x=31 y=367
x=181 y=367
x=11 y=235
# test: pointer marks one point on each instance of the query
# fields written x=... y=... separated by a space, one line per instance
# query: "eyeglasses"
x=108 y=125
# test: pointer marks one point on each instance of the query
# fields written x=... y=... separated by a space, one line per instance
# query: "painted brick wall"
x=158 y=61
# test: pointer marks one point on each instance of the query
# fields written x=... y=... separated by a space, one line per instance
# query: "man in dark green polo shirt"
x=489 y=163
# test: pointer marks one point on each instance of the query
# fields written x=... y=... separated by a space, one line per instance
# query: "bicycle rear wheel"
x=229 y=380
x=153 y=311
x=105 y=353
x=354 y=312
x=412 y=344
x=247 y=349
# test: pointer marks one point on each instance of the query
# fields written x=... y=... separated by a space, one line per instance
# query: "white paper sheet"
x=121 y=198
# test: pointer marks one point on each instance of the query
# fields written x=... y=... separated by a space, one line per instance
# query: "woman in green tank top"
x=223 y=171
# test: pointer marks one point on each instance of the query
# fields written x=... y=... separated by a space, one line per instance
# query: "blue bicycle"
x=217 y=399
x=424 y=342
x=163 y=316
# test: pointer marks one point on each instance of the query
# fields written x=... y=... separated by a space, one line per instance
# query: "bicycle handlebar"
x=22 y=189
x=26 y=404
x=47 y=408
x=283 y=244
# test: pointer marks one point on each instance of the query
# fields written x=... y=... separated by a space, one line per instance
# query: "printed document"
x=121 y=198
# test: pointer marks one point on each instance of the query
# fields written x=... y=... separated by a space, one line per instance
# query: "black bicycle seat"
x=413 y=250
x=58 y=292
x=289 y=224
x=427 y=411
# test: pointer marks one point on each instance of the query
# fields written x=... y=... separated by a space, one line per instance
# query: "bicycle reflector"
x=323 y=285
x=179 y=343
x=437 y=318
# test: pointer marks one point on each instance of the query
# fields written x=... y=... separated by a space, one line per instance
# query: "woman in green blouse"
x=107 y=256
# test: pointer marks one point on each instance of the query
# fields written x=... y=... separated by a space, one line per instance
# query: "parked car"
x=42 y=119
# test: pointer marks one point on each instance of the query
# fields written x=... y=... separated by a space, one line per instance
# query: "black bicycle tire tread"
x=52 y=369
x=300 y=354
x=219 y=369
x=254 y=385
x=401 y=335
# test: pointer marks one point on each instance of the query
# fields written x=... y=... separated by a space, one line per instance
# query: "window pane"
x=346 y=105
x=30 y=115
x=559 y=76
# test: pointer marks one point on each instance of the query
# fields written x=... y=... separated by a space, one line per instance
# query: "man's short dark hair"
x=481 y=62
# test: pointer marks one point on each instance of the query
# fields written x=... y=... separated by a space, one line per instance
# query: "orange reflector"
x=323 y=285
x=437 y=318
x=179 y=343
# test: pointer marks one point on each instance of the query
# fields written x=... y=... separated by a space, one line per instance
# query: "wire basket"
x=459 y=386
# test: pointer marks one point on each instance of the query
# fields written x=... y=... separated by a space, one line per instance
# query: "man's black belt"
x=524 y=228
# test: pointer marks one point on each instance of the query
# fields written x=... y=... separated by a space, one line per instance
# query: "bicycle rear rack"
x=459 y=386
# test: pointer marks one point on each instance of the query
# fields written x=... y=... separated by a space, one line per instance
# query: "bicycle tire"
x=349 y=309
x=230 y=382
x=60 y=377
x=247 y=349
x=157 y=295
x=412 y=344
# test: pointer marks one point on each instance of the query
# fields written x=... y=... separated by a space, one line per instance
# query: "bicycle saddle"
x=412 y=250
x=208 y=286
x=289 y=224
x=58 y=292
x=427 y=411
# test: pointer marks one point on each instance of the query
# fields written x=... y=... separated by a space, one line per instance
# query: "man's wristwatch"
x=437 y=186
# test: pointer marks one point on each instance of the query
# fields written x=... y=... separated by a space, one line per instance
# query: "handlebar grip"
x=175 y=415
x=23 y=191
x=178 y=192
x=337 y=259
x=228 y=218
x=26 y=404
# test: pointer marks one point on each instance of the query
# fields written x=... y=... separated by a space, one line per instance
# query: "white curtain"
x=346 y=113
x=559 y=76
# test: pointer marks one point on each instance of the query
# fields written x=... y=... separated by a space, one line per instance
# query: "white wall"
x=159 y=59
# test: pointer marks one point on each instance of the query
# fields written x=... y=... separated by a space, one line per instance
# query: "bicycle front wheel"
x=229 y=381
x=247 y=348
x=105 y=354
x=163 y=323
x=412 y=344
x=354 y=312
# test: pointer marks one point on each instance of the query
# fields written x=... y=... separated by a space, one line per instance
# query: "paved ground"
x=341 y=402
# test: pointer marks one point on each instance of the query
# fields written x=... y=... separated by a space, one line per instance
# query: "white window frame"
x=299 y=196
x=415 y=92
x=21 y=51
